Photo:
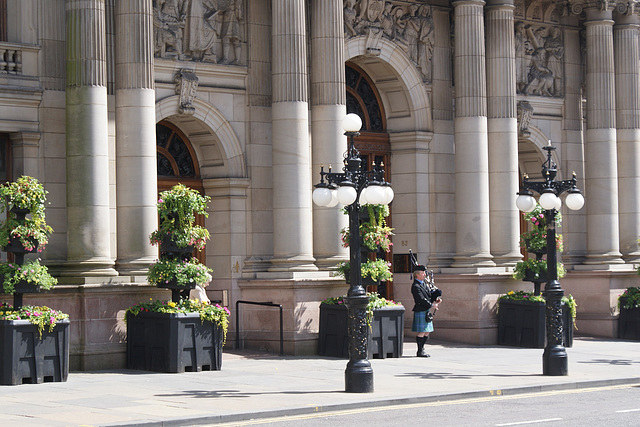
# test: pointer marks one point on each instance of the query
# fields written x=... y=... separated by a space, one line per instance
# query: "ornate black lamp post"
x=353 y=187
x=554 y=358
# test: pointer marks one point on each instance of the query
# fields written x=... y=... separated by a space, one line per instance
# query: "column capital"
x=627 y=13
x=468 y=2
x=500 y=3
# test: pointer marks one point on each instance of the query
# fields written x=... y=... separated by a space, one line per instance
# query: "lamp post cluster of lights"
x=554 y=359
x=353 y=187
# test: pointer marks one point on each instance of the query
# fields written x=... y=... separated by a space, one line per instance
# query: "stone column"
x=470 y=134
x=601 y=182
x=574 y=223
x=328 y=99
x=136 y=172
x=87 y=141
x=291 y=151
x=627 y=58
x=502 y=124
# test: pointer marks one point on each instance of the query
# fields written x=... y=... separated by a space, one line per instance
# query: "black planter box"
x=384 y=339
x=522 y=324
x=173 y=342
x=28 y=359
x=629 y=324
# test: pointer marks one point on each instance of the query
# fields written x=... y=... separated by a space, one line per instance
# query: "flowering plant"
x=31 y=272
x=25 y=193
x=535 y=240
x=39 y=316
x=374 y=233
x=630 y=298
x=28 y=195
x=536 y=267
x=177 y=209
x=179 y=271
x=212 y=313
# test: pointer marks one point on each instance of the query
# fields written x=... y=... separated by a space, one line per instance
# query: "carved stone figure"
x=169 y=26
x=425 y=41
x=231 y=18
x=196 y=29
x=539 y=60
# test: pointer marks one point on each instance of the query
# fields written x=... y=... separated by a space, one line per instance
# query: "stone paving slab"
x=255 y=385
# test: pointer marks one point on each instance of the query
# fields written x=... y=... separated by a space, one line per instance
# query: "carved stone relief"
x=539 y=59
x=186 y=86
x=410 y=26
x=539 y=10
x=199 y=30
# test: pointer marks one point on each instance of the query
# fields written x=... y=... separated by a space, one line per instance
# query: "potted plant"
x=386 y=327
x=156 y=327
x=182 y=334
x=28 y=277
x=30 y=354
x=375 y=270
x=374 y=232
x=177 y=210
x=521 y=319
x=535 y=270
x=629 y=319
x=25 y=196
x=34 y=345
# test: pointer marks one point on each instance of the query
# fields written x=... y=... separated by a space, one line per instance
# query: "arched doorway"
x=373 y=143
x=177 y=163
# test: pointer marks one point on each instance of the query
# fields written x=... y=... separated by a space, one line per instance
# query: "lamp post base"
x=358 y=377
x=555 y=361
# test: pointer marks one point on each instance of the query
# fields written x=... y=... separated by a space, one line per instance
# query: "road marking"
x=492 y=397
x=519 y=423
x=628 y=410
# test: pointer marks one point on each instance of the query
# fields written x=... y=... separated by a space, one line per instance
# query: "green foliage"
x=31 y=271
x=177 y=210
x=39 y=316
x=377 y=270
x=630 y=298
x=212 y=313
x=183 y=272
x=537 y=266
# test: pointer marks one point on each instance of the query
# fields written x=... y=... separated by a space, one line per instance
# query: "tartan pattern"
x=420 y=323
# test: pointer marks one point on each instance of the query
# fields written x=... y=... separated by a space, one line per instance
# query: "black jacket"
x=423 y=295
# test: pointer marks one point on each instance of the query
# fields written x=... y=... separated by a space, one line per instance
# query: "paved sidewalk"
x=255 y=385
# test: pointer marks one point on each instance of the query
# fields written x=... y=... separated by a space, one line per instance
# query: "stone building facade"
x=109 y=101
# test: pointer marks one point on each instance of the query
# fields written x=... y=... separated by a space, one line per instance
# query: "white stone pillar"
x=328 y=99
x=627 y=60
x=291 y=151
x=502 y=125
x=601 y=161
x=87 y=138
x=471 y=145
x=136 y=165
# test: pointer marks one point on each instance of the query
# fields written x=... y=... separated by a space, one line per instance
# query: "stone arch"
x=405 y=72
x=217 y=124
x=530 y=152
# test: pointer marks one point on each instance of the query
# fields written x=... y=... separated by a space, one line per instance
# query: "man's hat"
x=420 y=267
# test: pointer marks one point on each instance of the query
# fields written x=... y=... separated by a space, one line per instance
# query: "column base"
x=297 y=263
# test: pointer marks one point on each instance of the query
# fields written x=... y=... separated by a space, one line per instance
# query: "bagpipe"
x=434 y=293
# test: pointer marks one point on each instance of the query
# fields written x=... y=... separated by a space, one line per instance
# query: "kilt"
x=420 y=323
